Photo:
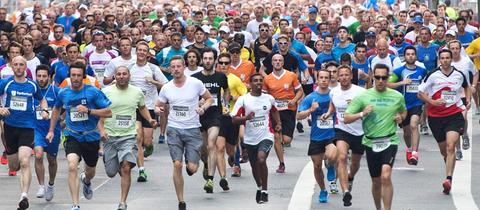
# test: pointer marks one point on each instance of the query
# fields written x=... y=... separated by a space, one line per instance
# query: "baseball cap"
x=225 y=29
x=417 y=19
x=307 y=30
x=370 y=34
x=451 y=33
x=83 y=6
x=234 y=47
x=232 y=12
x=312 y=10
x=206 y=29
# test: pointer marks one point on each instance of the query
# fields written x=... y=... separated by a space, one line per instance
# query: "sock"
x=264 y=191
x=449 y=178
x=259 y=188
x=210 y=177
x=237 y=156
x=41 y=186
x=350 y=179
x=141 y=168
x=50 y=183
x=282 y=164
x=24 y=195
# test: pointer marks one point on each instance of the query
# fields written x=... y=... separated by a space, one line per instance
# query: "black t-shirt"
x=200 y=50
x=6 y=26
x=46 y=51
x=214 y=84
x=76 y=24
x=290 y=62
x=260 y=55
x=359 y=36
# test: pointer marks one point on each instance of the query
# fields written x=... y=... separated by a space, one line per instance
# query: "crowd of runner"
x=225 y=82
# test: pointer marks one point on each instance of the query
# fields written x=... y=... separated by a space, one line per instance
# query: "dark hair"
x=410 y=47
x=345 y=57
x=44 y=67
x=460 y=19
x=380 y=66
x=283 y=20
x=185 y=56
x=342 y=27
x=445 y=51
x=360 y=45
x=209 y=49
x=15 y=44
x=224 y=55
x=254 y=75
x=78 y=65
x=73 y=44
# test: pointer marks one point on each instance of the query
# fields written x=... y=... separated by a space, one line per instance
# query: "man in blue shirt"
x=324 y=56
x=163 y=57
x=84 y=105
x=19 y=121
x=399 y=43
x=67 y=19
x=463 y=36
x=345 y=46
x=426 y=51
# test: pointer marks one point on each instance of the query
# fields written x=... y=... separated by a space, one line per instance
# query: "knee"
x=72 y=167
x=177 y=165
x=342 y=158
x=192 y=167
x=386 y=178
x=111 y=173
x=413 y=127
x=38 y=156
x=376 y=182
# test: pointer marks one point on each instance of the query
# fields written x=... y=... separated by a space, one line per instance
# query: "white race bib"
x=412 y=88
x=341 y=114
x=99 y=72
x=327 y=124
x=281 y=105
x=76 y=116
x=259 y=122
x=449 y=96
x=215 y=99
x=380 y=144
x=180 y=113
x=123 y=121
x=18 y=103
x=38 y=113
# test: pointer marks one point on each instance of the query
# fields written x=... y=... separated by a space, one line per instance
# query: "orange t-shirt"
x=244 y=71
x=63 y=42
x=87 y=81
x=282 y=88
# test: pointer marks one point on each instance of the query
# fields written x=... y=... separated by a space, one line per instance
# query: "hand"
x=82 y=109
x=367 y=110
x=304 y=80
x=468 y=105
x=45 y=115
x=438 y=102
x=314 y=106
x=153 y=123
x=149 y=79
x=200 y=111
x=292 y=103
x=159 y=110
x=4 y=111
x=407 y=81
x=49 y=136
x=325 y=116
x=225 y=111
x=201 y=102
x=103 y=135
x=278 y=127
x=264 y=48
x=250 y=116
x=398 y=118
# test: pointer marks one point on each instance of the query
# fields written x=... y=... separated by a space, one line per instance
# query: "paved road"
x=415 y=187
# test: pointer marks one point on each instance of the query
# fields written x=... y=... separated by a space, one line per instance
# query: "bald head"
x=382 y=48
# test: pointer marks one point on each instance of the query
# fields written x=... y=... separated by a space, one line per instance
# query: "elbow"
x=108 y=113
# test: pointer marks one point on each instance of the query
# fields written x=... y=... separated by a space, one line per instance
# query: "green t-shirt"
x=381 y=121
x=124 y=106
x=439 y=43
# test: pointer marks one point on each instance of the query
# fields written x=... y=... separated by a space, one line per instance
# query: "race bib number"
x=123 y=121
x=325 y=124
x=76 y=116
x=215 y=99
x=18 y=103
x=380 y=144
x=38 y=113
x=341 y=114
x=180 y=112
x=99 y=72
x=258 y=122
x=281 y=105
x=449 y=96
x=412 y=88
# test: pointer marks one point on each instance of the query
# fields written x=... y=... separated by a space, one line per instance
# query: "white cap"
x=83 y=6
x=450 y=32
x=206 y=29
x=225 y=29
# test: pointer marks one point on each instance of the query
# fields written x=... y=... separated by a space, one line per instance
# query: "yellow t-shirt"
x=236 y=87
x=474 y=48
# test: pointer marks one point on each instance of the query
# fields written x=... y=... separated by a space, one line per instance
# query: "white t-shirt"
x=466 y=66
x=183 y=102
x=392 y=64
x=98 y=62
x=259 y=128
x=137 y=78
x=116 y=62
x=252 y=27
x=32 y=65
x=188 y=72
x=340 y=99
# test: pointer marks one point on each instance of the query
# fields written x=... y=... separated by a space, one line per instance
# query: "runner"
x=441 y=93
x=183 y=129
x=19 y=122
x=380 y=109
x=99 y=58
x=347 y=137
x=49 y=93
x=284 y=86
x=149 y=78
x=215 y=82
x=255 y=110
x=125 y=59
x=84 y=105
x=120 y=149
x=321 y=145
x=406 y=79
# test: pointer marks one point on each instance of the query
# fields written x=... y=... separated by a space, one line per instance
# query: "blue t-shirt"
x=66 y=22
x=20 y=101
x=50 y=94
x=326 y=130
x=338 y=51
x=313 y=27
x=410 y=91
x=361 y=67
x=296 y=46
x=401 y=49
x=466 y=39
x=428 y=56
x=84 y=126
x=321 y=59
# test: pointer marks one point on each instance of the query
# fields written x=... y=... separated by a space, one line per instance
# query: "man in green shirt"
x=380 y=109
x=119 y=131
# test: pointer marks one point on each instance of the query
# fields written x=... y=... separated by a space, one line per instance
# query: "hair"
x=345 y=67
x=43 y=67
x=78 y=65
x=342 y=27
x=330 y=63
x=15 y=44
x=58 y=26
x=360 y=45
x=345 y=57
x=452 y=42
x=177 y=57
x=209 y=49
x=460 y=19
x=141 y=42
x=224 y=55
x=380 y=66
x=73 y=44
x=410 y=47
x=194 y=51
x=255 y=75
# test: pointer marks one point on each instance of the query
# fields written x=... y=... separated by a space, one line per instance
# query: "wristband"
x=89 y=111
x=361 y=114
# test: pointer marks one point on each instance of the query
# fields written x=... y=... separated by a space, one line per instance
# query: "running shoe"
x=4 y=159
x=347 y=199
x=264 y=197
x=424 y=130
x=323 y=197
x=182 y=206
x=12 y=172
x=161 y=139
x=49 y=192
x=208 y=186
x=477 y=112
x=300 y=127
x=41 y=192
x=205 y=171
x=237 y=171
x=87 y=188
x=122 y=206
x=333 y=187
x=413 y=158
x=148 y=151
x=142 y=176
x=281 y=169
x=23 y=204
x=244 y=158
x=330 y=171
x=76 y=207
x=447 y=186
x=465 y=142
x=224 y=184
x=258 y=196
x=458 y=155
x=408 y=155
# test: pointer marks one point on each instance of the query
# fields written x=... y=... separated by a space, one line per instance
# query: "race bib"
x=99 y=72
x=123 y=121
x=340 y=114
x=281 y=105
x=215 y=99
x=180 y=112
x=412 y=88
x=18 y=103
x=325 y=124
x=38 y=113
x=380 y=144
x=76 y=116
x=449 y=96
x=258 y=122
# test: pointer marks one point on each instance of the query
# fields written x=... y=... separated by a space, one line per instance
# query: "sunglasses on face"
x=224 y=62
x=384 y=78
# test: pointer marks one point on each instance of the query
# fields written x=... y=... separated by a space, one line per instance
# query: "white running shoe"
x=41 y=191
x=49 y=191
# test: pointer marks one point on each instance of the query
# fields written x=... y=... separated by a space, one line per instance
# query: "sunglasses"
x=263 y=30
x=223 y=62
x=282 y=43
x=398 y=35
x=381 y=77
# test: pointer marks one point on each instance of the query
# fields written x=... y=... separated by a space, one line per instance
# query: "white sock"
x=24 y=195
x=259 y=188
x=141 y=168
x=41 y=186
x=264 y=191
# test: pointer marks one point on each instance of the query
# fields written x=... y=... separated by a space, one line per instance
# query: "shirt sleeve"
x=38 y=94
x=101 y=101
x=161 y=96
x=109 y=69
x=238 y=109
x=159 y=76
x=306 y=104
x=356 y=105
x=58 y=102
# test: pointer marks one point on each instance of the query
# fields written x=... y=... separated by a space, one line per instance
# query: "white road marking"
x=462 y=183
x=304 y=189
x=96 y=188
